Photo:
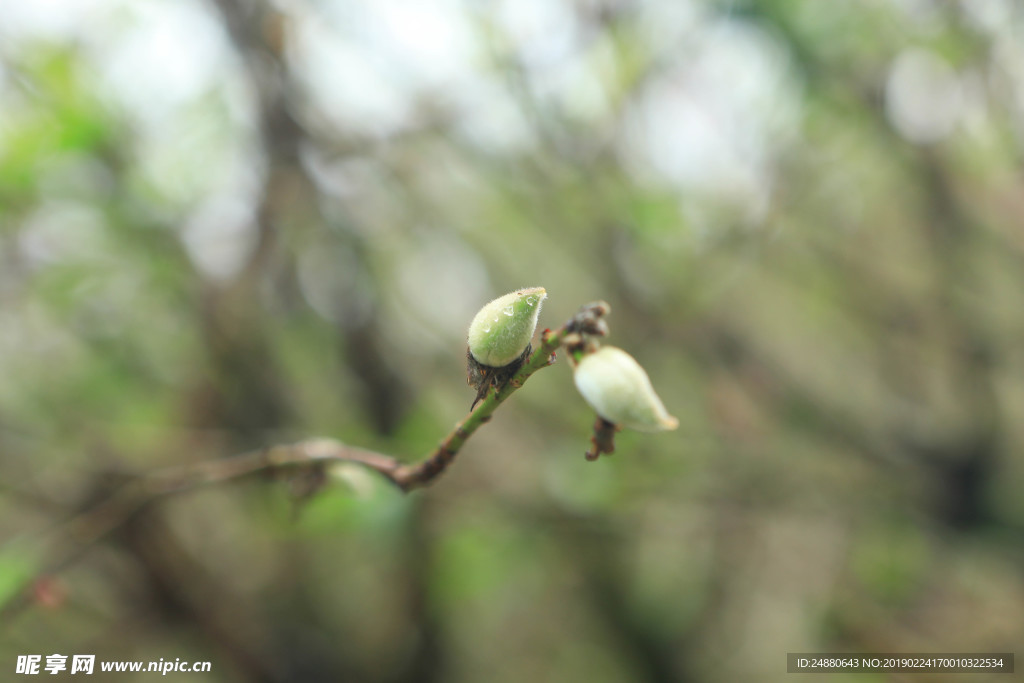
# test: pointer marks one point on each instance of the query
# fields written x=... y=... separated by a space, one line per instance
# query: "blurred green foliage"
x=225 y=225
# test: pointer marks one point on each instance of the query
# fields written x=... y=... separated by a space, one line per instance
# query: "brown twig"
x=603 y=440
x=91 y=526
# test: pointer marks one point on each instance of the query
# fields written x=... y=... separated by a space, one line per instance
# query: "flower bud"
x=617 y=387
x=501 y=331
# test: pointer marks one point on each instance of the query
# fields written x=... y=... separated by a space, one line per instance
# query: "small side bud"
x=501 y=331
x=618 y=388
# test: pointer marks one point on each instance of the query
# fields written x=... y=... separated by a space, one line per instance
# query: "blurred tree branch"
x=244 y=392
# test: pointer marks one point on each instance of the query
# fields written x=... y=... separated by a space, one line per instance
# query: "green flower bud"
x=501 y=331
x=618 y=388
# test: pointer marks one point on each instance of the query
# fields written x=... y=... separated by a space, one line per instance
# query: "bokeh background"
x=232 y=223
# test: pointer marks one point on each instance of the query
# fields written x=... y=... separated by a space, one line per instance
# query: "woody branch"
x=90 y=527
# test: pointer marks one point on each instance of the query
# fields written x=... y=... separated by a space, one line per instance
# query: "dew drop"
x=531 y=300
x=507 y=311
x=487 y=329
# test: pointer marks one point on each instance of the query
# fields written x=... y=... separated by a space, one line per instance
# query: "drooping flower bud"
x=501 y=331
x=618 y=388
